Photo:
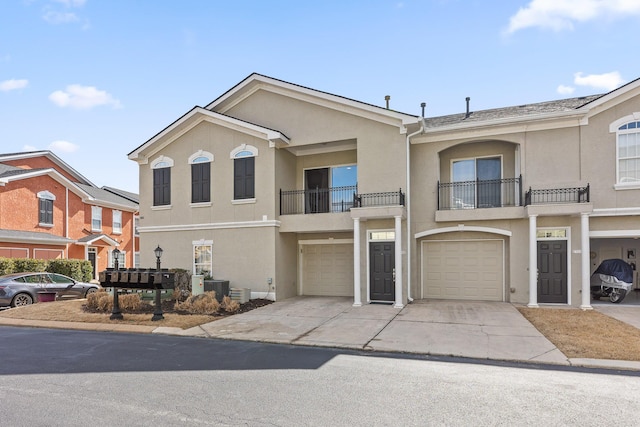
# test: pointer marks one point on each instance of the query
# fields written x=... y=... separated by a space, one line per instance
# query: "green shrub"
x=75 y=268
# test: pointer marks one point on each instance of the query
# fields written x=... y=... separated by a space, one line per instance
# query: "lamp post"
x=157 y=313
x=115 y=311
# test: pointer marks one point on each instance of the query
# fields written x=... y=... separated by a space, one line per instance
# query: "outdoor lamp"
x=158 y=251
x=116 y=257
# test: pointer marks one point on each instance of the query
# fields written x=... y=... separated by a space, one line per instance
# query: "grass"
x=72 y=311
x=586 y=334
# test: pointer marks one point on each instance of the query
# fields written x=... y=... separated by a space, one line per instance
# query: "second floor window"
x=201 y=177
x=161 y=186
x=162 y=181
x=117 y=222
x=45 y=208
x=629 y=153
x=96 y=218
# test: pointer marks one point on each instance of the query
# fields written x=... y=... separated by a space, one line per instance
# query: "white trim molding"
x=462 y=227
x=209 y=226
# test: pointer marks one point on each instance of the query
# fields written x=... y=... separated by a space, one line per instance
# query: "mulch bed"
x=168 y=307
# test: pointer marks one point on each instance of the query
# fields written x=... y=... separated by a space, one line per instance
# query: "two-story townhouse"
x=282 y=189
x=48 y=210
x=522 y=203
x=292 y=191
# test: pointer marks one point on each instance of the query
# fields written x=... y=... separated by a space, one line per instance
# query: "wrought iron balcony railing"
x=557 y=195
x=493 y=193
x=336 y=199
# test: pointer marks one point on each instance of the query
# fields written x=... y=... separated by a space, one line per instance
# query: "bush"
x=102 y=301
x=229 y=305
x=199 y=304
x=75 y=268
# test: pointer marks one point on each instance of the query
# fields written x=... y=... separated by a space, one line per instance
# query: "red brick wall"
x=39 y=163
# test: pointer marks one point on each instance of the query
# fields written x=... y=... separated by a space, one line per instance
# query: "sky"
x=91 y=80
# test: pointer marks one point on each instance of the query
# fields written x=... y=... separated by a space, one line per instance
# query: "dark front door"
x=382 y=265
x=552 y=271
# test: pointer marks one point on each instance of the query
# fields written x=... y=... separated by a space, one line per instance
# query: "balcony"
x=335 y=200
x=557 y=195
x=479 y=194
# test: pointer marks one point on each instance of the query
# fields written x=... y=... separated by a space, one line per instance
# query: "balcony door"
x=481 y=182
x=316 y=190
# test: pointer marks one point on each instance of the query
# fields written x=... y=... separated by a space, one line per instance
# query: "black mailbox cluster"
x=136 y=278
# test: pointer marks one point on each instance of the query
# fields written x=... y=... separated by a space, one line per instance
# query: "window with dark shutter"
x=200 y=182
x=46 y=211
x=244 y=178
x=161 y=186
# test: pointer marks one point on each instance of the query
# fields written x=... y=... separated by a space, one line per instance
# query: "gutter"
x=408 y=204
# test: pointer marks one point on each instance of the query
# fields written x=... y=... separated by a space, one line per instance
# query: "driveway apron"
x=488 y=330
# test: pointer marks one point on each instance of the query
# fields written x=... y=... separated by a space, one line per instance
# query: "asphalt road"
x=78 y=378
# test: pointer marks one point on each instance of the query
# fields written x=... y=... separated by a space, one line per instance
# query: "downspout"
x=408 y=203
x=66 y=217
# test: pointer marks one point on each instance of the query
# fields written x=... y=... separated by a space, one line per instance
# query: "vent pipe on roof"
x=468 y=112
x=387 y=98
x=423 y=104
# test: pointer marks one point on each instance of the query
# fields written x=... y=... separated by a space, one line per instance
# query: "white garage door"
x=327 y=270
x=464 y=270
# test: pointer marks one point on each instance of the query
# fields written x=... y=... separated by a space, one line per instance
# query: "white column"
x=533 y=262
x=585 y=260
x=357 y=300
x=398 y=263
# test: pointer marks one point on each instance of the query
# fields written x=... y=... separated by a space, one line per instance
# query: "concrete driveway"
x=488 y=330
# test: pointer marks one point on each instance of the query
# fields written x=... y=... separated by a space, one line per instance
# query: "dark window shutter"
x=200 y=182
x=161 y=186
x=46 y=211
x=244 y=178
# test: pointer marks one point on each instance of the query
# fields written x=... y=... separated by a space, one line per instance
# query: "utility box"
x=241 y=295
x=197 y=284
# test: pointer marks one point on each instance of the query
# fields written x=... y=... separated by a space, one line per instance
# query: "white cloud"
x=13 y=84
x=565 y=90
x=63 y=147
x=561 y=15
x=72 y=3
x=606 y=81
x=83 y=97
x=53 y=17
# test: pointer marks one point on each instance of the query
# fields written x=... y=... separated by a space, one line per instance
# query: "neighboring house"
x=48 y=210
x=287 y=190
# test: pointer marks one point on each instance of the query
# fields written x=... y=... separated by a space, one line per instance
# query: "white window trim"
x=193 y=248
x=244 y=147
x=162 y=162
x=613 y=128
x=243 y=201
x=201 y=205
x=113 y=219
x=200 y=153
x=95 y=209
x=46 y=195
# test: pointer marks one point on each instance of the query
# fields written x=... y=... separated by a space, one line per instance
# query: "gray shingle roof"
x=34 y=236
x=134 y=197
x=514 y=112
x=105 y=196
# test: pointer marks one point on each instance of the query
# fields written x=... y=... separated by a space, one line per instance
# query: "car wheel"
x=90 y=291
x=21 y=300
x=617 y=295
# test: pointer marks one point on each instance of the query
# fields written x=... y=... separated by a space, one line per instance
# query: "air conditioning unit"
x=241 y=295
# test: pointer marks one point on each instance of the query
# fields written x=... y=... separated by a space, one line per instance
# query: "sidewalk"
x=482 y=330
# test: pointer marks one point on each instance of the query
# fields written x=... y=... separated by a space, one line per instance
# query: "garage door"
x=464 y=270
x=327 y=270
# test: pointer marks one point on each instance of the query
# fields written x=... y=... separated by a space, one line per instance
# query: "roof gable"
x=51 y=161
x=256 y=82
x=196 y=116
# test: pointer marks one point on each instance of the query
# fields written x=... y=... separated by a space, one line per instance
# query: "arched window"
x=628 y=150
x=244 y=171
x=162 y=180
x=45 y=208
x=201 y=176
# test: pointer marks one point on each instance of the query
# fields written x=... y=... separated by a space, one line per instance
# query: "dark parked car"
x=18 y=289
